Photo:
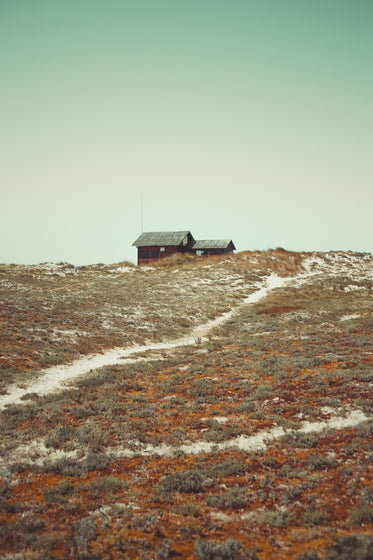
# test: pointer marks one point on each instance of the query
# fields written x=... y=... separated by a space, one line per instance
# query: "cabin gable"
x=152 y=246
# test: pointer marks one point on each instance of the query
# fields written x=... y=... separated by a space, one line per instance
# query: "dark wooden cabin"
x=156 y=245
x=152 y=246
x=210 y=247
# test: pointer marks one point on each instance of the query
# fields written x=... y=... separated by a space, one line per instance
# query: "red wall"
x=148 y=255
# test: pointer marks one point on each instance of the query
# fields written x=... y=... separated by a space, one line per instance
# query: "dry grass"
x=288 y=359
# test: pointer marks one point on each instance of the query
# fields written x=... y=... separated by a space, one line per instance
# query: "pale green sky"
x=249 y=120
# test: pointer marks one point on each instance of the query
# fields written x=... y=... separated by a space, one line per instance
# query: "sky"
x=248 y=120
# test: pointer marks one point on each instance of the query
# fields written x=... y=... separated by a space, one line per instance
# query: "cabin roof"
x=212 y=244
x=161 y=238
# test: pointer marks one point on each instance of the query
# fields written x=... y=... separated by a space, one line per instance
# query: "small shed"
x=210 y=247
x=156 y=245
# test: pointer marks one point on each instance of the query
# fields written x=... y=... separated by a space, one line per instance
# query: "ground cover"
x=51 y=314
x=164 y=456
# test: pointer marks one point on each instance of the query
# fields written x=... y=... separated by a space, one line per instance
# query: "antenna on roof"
x=142 y=215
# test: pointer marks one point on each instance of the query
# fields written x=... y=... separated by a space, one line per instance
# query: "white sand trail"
x=258 y=441
x=56 y=377
x=35 y=452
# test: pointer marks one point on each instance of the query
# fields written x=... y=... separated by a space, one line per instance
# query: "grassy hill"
x=211 y=408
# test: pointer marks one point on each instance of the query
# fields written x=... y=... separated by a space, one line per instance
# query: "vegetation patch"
x=163 y=455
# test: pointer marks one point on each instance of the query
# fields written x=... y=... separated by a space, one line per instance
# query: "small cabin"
x=157 y=245
x=210 y=247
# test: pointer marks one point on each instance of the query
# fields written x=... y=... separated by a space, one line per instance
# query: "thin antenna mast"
x=142 y=215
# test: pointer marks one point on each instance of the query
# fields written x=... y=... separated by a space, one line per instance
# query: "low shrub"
x=230 y=550
x=60 y=437
x=352 y=547
x=95 y=462
x=306 y=440
x=81 y=412
x=189 y=531
x=280 y=518
x=70 y=467
x=259 y=414
x=216 y=436
x=109 y=484
x=292 y=492
x=58 y=494
x=247 y=405
x=316 y=461
x=354 y=446
x=143 y=411
x=85 y=531
x=190 y=509
x=182 y=481
x=231 y=499
x=363 y=513
x=314 y=516
x=229 y=467
x=201 y=387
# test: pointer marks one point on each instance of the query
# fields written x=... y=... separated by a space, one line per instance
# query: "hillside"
x=201 y=409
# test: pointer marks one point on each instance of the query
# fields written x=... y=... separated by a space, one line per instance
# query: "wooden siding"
x=210 y=252
x=146 y=255
x=154 y=246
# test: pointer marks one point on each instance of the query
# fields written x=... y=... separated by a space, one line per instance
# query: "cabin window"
x=199 y=252
x=162 y=249
x=185 y=241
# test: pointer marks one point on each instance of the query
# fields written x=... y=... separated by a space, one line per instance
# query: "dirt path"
x=35 y=452
x=258 y=441
x=57 y=377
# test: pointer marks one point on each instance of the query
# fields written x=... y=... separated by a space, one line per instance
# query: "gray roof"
x=212 y=244
x=160 y=238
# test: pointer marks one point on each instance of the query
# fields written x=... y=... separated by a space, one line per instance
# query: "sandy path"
x=56 y=377
x=36 y=452
x=255 y=442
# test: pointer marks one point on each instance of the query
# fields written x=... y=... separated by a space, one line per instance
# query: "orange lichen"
x=301 y=371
